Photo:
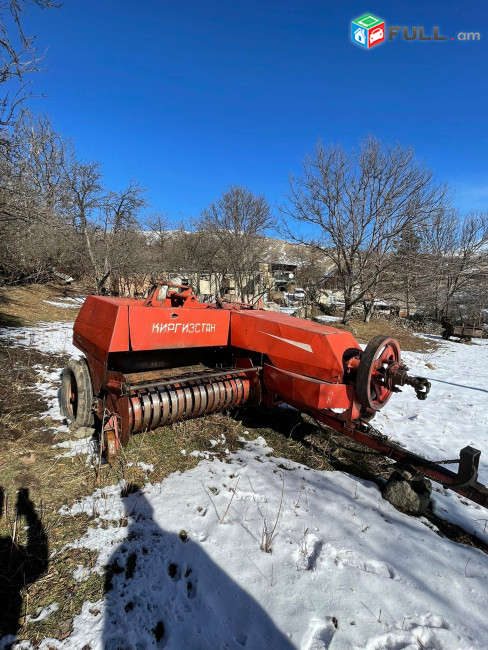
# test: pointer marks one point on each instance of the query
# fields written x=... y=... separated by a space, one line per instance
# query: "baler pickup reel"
x=149 y=363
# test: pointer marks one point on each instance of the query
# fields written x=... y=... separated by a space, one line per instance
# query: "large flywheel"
x=373 y=389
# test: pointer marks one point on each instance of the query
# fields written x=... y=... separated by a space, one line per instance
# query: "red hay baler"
x=149 y=363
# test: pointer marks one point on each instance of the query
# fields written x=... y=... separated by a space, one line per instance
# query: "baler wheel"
x=77 y=394
x=370 y=388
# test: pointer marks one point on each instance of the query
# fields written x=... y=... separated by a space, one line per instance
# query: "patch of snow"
x=201 y=454
x=288 y=310
x=64 y=305
x=50 y=338
x=327 y=319
x=43 y=613
x=49 y=387
x=345 y=570
x=85 y=446
x=146 y=467
x=82 y=573
x=104 y=503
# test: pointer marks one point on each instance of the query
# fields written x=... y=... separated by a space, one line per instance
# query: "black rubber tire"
x=366 y=414
x=77 y=394
x=445 y=335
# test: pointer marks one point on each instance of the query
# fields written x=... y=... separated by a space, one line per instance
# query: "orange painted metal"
x=156 y=328
x=307 y=391
x=107 y=325
x=102 y=326
x=305 y=364
x=293 y=344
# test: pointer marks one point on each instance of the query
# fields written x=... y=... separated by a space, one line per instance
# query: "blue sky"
x=190 y=97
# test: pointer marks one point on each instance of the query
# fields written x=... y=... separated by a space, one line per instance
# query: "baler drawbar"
x=149 y=363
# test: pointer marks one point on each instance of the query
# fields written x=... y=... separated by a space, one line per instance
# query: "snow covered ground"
x=327 y=319
x=49 y=386
x=454 y=415
x=345 y=569
x=67 y=303
x=50 y=338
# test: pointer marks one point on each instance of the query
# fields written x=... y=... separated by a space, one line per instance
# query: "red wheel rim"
x=380 y=353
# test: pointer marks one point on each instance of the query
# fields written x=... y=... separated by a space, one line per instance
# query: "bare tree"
x=196 y=253
x=84 y=200
x=19 y=56
x=310 y=272
x=102 y=218
x=37 y=156
x=55 y=211
x=160 y=225
x=119 y=218
x=457 y=254
x=357 y=206
x=36 y=236
x=237 y=222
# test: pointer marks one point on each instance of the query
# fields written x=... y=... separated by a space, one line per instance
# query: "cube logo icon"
x=368 y=31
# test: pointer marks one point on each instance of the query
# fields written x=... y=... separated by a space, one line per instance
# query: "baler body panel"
x=161 y=328
x=102 y=326
x=307 y=391
x=293 y=344
x=107 y=325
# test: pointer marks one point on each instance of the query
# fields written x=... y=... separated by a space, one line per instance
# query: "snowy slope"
x=50 y=338
x=346 y=569
x=455 y=413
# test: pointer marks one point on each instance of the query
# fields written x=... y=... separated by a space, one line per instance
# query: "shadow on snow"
x=163 y=591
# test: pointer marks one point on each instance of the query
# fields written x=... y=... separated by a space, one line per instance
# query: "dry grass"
x=25 y=306
x=364 y=332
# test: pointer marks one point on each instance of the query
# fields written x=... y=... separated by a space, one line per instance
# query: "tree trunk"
x=407 y=296
x=347 y=313
x=89 y=247
x=368 y=310
x=101 y=288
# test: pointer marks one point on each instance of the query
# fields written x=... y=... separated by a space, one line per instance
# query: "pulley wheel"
x=371 y=390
